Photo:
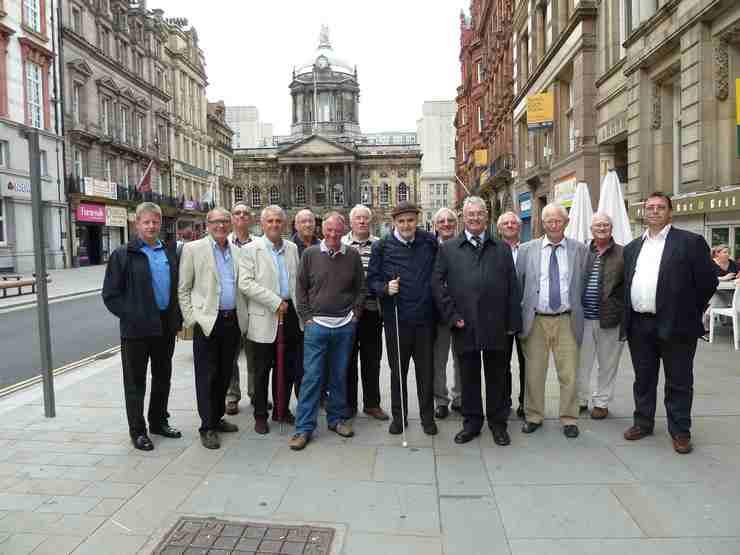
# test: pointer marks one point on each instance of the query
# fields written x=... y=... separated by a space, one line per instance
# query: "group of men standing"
x=320 y=305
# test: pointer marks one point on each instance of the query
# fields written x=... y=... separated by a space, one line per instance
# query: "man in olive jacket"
x=603 y=309
x=140 y=288
x=476 y=290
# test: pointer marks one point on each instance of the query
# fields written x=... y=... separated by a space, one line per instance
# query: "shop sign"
x=702 y=203
x=540 y=111
x=20 y=189
x=100 y=188
x=481 y=157
x=93 y=213
x=115 y=216
x=565 y=190
x=484 y=175
x=525 y=205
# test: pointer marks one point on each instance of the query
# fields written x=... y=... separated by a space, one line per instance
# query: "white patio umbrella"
x=581 y=212
x=611 y=203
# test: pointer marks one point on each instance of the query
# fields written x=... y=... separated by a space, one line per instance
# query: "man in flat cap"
x=400 y=275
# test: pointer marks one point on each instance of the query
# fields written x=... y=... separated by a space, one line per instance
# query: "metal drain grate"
x=201 y=536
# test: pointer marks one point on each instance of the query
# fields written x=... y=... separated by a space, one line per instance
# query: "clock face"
x=322 y=62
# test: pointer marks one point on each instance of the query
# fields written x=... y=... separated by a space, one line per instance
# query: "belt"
x=227 y=314
x=563 y=313
x=644 y=314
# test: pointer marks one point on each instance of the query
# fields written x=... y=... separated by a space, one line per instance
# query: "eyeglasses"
x=240 y=213
x=446 y=221
x=219 y=222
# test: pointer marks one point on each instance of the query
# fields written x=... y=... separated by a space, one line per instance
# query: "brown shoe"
x=599 y=413
x=298 y=441
x=682 y=444
x=232 y=408
x=260 y=425
x=377 y=413
x=635 y=432
x=343 y=429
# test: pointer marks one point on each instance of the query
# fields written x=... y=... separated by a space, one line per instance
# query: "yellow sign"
x=540 y=109
x=484 y=175
x=481 y=157
x=565 y=190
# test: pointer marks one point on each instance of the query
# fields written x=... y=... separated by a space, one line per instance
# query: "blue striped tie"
x=554 y=274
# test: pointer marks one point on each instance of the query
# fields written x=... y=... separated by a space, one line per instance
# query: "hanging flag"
x=145 y=183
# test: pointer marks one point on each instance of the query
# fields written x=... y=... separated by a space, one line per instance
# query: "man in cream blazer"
x=211 y=303
x=267 y=277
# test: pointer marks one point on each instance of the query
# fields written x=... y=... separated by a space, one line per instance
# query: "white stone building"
x=249 y=131
x=436 y=135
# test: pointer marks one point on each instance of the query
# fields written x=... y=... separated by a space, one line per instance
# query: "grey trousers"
x=441 y=354
x=234 y=393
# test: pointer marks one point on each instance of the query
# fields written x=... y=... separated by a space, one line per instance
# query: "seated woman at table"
x=725 y=267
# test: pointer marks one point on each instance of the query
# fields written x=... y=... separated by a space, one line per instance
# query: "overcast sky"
x=406 y=52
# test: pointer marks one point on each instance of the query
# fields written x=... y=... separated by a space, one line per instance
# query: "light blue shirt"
x=226 y=276
x=278 y=255
x=159 y=267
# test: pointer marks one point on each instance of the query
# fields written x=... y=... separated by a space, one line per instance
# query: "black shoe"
x=520 y=412
x=165 y=430
x=465 y=436
x=142 y=442
x=430 y=429
x=209 y=439
x=441 y=412
x=570 y=431
x=529 y=427
x=456 y=408
x=226 y=427
x=288 y=418
x=395 y=428
x=501 y=436
x=583 y=408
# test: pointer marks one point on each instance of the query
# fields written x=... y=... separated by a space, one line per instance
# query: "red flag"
x=145 y=183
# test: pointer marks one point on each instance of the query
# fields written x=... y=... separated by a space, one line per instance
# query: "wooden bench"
x=12 y=281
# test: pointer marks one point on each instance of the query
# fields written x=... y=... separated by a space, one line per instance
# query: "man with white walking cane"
x=400 y=273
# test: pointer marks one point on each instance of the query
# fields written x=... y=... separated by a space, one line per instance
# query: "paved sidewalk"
x=64 y=283
x=74 y=483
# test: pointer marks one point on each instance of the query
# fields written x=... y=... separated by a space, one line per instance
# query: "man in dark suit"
x=476 y=291
x=669 y=279
x=140 y=288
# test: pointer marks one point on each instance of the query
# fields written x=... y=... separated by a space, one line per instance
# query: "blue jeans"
x=322 y=345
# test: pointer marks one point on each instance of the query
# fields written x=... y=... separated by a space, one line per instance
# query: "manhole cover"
x=200 y=536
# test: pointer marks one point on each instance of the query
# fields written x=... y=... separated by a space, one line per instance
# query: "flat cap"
x=404 y=208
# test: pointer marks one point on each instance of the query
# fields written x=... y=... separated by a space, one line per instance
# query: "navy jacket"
x=128 y=293
x=391 y=258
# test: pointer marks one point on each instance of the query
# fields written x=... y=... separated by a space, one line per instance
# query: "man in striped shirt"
x=368 y=344
x=603 y=307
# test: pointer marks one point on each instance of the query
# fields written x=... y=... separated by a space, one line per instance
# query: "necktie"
x=554 y=275
x=476 y=241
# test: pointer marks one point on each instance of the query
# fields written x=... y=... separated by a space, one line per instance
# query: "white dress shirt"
x=647 y=267
x=514 y=251
x=543 y=303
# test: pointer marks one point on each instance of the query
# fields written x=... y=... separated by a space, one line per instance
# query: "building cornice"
x=71 y=36
x=611 y=71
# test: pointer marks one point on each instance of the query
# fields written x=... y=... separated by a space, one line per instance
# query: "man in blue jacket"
x=140 y=288
x=400 y=275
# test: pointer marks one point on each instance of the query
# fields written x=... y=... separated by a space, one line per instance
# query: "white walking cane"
x=400 y=376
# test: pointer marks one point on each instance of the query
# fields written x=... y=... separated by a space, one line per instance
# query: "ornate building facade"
x=221 y=154
x=326 y=163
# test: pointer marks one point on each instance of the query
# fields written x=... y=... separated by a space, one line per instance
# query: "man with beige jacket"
x=211 y=303
x=267 y=277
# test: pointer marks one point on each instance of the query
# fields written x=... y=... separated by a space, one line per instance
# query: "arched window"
x=238 y=194
x=366 y=196
x=385 y=194
x=320 y=194
x=403 y=192
x=274 y=195
x=300 y=195
x=337 y=196
x=256 y=197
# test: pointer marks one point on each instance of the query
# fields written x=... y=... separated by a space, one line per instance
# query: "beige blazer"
x=258 y=280
x=199 y=286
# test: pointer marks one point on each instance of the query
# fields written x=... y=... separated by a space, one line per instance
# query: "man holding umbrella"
x=269 y=267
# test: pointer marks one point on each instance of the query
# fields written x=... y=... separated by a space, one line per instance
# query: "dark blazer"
x=480 y=287
x=686 y=282
x=611 y=281
x=128 y=293
x=390 y=258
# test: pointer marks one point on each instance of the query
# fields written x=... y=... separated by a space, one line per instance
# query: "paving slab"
x=606 y=547
x=21 y=501
x=337 y=461
x=68 y=504
x=411 y=465
x=563 y=512
x=362 y=543
x=58 y=545
x=472 y=526
x=653 y=463
x=20 y=544
x=462 y=475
